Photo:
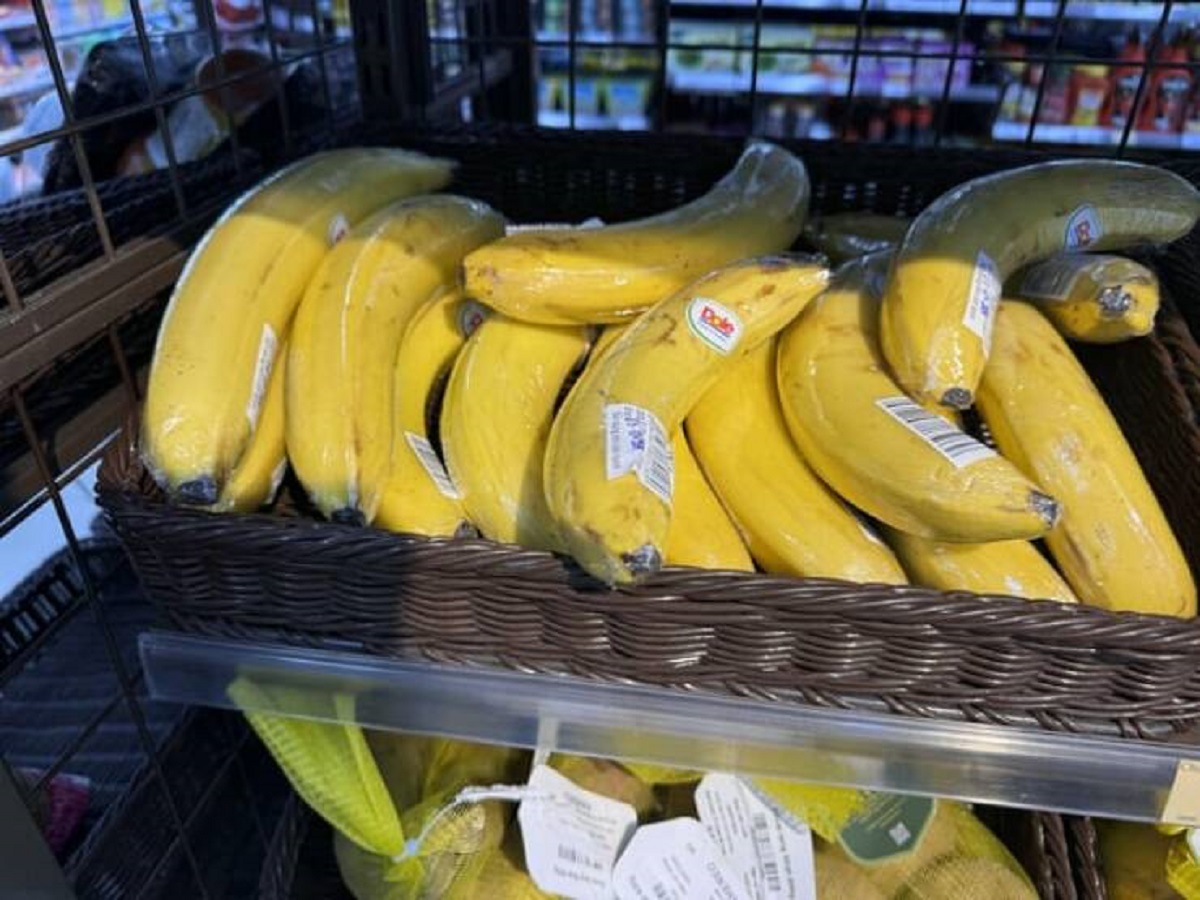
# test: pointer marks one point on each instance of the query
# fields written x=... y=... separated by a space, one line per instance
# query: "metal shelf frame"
x=979 y=763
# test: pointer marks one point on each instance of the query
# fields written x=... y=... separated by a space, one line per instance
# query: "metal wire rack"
x=86 y=265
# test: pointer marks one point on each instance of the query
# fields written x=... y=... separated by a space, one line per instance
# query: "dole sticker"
x=1083 y=228
x=716 y=325
x=339 y=227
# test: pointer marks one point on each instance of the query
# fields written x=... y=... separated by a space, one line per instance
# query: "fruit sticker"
x=635 y=441
x=716 y=325
x=1083 y=228
x=339 y=227
x=983 y=300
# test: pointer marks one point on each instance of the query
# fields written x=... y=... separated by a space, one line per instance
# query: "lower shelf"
x=980 y=763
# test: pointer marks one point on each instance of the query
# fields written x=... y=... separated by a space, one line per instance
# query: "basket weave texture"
x=908 y=650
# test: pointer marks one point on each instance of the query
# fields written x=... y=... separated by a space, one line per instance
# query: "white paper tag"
x=674 y=860
x=267 y=345
x=428 y=458
x=635 y=441
x=1083 y=228
x=771 y=857
x=339 y=227
x=716 y=325
x=957 y=446
x=984 y=299
x=1054 y=278
x=572 y=836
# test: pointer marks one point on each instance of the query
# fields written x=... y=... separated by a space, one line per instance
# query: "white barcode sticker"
x=635 y=441
x=674 y=860
x=771 y=856
x=428 y=458
x=984 y=299
x=1054 y=278
x=1083 y=228
x=956 y=445
x=267 y=345
x=572 y=836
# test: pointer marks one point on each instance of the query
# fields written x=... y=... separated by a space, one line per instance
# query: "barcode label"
x=263 y=363
x=957 y=446
x=984 y=299
x=433 y=466
x=635 y=441
x=760 y=833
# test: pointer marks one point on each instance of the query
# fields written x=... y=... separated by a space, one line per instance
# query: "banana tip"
x=1046 y=507
x=957 y=398
x=645 y=560
x=200 y=491
x=348 y=516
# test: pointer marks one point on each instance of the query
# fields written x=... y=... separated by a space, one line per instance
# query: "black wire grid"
x=84 y=275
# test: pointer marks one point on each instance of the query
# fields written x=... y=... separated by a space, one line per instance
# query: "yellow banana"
x=496 y=415
x=343 y=349
x=256 y=477
x=1113 y=544
x=219 y=337
x=419 y=497
x=701 y=533
x=612 y=273
x=879 y=449
x=793 y=523
x=1015 y=568
x=1097 y=299
x=846 y=236
x=608 y=472
x=944 y=285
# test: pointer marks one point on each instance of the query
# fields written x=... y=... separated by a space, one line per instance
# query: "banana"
x=1014 y=568
x=879 y=449
x=701 y=533
x=609 y=472
x=419 y=497
x=944 y=286
x=343 y=349
x=558 y=276
x=496 y=415
x=1113 y=544
x=793 y=523
x=1097 y=299
x=257 y=475
x=846 y=236
x=219 y=336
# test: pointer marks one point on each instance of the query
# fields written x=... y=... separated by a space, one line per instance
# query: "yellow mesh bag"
x=1183 y=870
x=608 y=779
x=652 y=774
x=1136 y=859
x=328 y=764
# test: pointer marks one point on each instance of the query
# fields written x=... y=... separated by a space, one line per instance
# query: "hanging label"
x=339 y=227
x=267 y=345
x=957 y=446
x=572 y=836
x=891 y=826
x=635 y=441
x=771 y=858
x=984 y=299
x=1053 y=279
x=1083 y=228
x=674 y=860
x=1183 y=801
x=470 y=316
x=716 y=325
x=433 y=467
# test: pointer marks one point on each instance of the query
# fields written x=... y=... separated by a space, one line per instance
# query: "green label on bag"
x=890 y=827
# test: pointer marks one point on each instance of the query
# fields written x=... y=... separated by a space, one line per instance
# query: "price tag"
x=572 y=836
x=1183 y=801
x=772 y=858
x=674 y=860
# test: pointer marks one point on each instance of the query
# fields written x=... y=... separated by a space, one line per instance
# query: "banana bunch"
x=234 y=302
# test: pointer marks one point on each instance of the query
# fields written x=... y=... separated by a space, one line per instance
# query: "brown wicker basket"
x=907 y=650
x=300 y=863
